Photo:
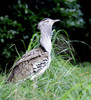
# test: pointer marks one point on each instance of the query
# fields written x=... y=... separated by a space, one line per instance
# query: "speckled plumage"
x=31 y=63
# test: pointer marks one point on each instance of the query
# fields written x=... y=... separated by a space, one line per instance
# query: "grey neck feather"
x=45 y=40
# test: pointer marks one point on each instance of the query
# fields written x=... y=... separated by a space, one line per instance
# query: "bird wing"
x=31 y=64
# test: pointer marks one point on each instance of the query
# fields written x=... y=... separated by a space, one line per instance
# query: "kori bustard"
x=36 y=61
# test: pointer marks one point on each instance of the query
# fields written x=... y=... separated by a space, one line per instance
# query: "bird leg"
x=35 y=83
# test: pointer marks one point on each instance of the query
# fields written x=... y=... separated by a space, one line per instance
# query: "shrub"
x=19 y=22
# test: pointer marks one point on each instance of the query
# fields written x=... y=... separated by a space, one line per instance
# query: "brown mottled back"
x=30 y=63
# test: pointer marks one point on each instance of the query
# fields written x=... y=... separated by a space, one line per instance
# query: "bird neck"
x=45 y=40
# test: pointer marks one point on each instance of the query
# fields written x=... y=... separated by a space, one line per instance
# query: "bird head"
x=46 y=23
x=45 y=27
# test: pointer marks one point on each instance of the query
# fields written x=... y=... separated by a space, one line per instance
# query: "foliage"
x=70 y=13
x=8 y=31
x=19 y=23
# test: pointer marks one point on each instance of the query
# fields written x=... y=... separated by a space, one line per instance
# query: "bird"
x=36 y=61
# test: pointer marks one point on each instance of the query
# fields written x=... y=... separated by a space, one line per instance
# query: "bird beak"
x=56 y=20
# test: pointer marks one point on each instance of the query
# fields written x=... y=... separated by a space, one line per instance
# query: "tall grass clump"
x=62 y=81
x=34 y=42
x=62 y=45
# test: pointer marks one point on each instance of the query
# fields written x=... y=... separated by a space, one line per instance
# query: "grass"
x=62 y=81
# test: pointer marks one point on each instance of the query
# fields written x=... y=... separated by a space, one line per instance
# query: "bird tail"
x=10 y=78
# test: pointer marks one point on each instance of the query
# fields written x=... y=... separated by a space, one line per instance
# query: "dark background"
x=19 y=19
